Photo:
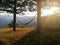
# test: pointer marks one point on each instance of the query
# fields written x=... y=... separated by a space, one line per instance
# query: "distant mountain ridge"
x=4 y=21
x=51 y=21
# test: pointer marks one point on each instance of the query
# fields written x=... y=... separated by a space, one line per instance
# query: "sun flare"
x=50 y=11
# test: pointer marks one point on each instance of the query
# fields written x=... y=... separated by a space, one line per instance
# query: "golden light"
x=50 y=11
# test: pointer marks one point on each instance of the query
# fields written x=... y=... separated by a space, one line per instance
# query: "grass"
x=28 y=36
x=7 y=36
x=46 y=37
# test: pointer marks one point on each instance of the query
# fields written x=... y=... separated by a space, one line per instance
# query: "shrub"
x=11 y=24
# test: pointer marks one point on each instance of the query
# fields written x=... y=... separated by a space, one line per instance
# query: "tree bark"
x=14 y=20
x=39 y=16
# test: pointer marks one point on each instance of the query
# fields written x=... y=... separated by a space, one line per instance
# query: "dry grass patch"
x=7 y=36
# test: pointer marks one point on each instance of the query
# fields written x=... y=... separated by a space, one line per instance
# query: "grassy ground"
x=7 y=36
x=46 y=37
x=28 y=36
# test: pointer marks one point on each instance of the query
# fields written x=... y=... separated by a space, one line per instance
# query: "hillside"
x=28 y=36
x=7 y=36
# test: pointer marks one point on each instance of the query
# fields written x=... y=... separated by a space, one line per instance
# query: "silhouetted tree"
x=18 y=6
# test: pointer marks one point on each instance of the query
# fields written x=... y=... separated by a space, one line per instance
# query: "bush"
x=11 y=24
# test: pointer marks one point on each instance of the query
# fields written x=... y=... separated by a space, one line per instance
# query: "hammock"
x=27 y=22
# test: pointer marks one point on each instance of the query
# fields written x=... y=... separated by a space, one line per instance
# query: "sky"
x=50 y=11
x=45 y=12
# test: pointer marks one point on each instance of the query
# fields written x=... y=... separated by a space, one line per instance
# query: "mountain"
x=1 y=22
x=51 y=21
x=5 y=20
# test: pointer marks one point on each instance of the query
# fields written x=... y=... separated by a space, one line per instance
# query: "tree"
x=16 y=6
x=39 y=23
x=14 y=21
x=38 y=16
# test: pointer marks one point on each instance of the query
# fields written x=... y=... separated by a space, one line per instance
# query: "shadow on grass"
x=29 y=39
x=32 y=39
x=1 y=43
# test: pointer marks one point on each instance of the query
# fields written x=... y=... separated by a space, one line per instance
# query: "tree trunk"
x=14 y=21
x=38 y=16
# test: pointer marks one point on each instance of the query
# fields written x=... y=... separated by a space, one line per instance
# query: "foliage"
x=11 y=24
x=8 y=5
x=30 y=5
